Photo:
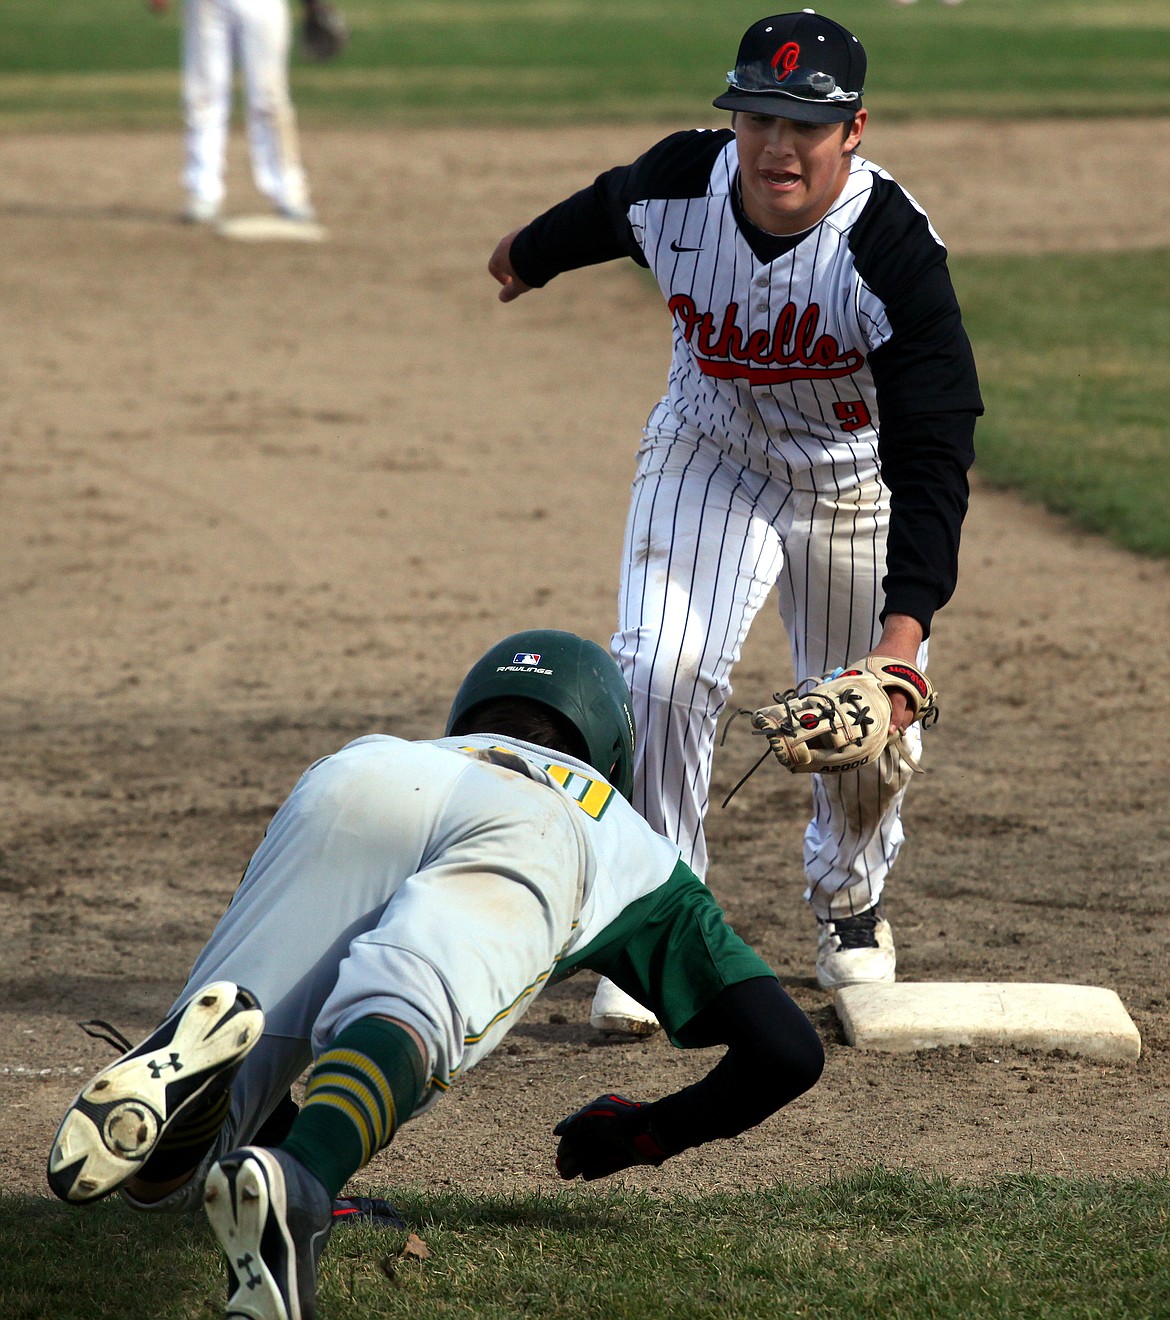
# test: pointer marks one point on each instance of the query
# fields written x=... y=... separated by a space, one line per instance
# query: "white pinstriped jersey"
x=816 y=430
x=821 y=359
x=769 y=356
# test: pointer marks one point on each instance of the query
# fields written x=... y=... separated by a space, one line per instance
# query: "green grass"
x=109 y=63
x=1072 y=351
x=874 y=1243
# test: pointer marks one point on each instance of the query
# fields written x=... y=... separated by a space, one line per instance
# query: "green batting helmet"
x=570 y=675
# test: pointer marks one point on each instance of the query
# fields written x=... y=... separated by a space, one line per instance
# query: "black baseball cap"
x=797 y=66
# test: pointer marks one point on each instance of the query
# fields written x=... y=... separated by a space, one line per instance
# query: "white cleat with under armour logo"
x=118 y=1118
x=272 y=1218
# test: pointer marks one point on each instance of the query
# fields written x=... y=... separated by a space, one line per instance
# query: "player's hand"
x=500 y=268
x=609 y=1134
x=901 y=637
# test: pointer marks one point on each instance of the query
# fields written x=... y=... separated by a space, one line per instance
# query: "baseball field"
x=259 y=499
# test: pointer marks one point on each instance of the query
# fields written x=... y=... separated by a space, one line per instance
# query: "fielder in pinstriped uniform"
x=815 y=436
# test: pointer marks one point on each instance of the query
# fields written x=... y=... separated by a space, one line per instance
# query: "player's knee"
x=685 y=683
x=271 y=105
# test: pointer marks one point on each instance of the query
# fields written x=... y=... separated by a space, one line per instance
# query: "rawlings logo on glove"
x=843 y=722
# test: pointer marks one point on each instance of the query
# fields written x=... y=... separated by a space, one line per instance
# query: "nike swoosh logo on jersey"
x=674 y=247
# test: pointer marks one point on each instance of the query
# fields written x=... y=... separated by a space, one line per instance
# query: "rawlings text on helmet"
x=571 y=676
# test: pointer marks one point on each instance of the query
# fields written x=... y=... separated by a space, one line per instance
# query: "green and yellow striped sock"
x=366 y=1083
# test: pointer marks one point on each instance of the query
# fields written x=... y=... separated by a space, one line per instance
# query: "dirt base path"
x=262 y=499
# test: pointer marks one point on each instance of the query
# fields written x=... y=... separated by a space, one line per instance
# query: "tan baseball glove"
x=843 y=721
x=324 y=31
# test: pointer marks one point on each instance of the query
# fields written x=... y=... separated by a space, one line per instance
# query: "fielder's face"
x=791 y=172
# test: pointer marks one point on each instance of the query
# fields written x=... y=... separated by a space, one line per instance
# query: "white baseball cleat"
x=272 y=1219
x=617 y=1014
x=301 y=215
x=119 y=1117
x=199 y=211
x=855 y=950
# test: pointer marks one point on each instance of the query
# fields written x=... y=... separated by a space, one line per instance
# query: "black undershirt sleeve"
x=928 y=399
x=773 y=1055
x=580 y=231
x=924 y=459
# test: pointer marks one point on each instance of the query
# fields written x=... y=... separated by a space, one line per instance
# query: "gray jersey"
x=444 y=884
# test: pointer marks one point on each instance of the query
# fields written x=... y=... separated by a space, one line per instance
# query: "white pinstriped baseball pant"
x=706 y=540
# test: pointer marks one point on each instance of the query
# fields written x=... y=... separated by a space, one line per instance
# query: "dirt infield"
x=260 y=499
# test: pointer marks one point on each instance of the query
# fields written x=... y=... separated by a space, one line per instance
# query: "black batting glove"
x=609 y=1134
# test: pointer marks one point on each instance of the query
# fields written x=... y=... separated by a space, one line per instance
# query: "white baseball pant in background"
x=257 y=34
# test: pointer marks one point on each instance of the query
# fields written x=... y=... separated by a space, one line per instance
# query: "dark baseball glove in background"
x=843 y=721
x=324 y=32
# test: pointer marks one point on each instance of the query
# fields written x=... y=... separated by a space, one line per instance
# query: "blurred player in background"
x=256 y=35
